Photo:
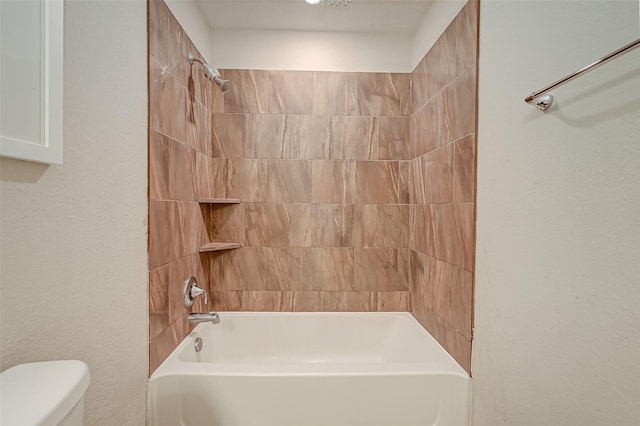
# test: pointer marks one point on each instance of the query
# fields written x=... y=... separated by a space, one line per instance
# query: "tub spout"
x=198 y=317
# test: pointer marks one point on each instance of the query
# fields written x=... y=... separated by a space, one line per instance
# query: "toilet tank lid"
x=41 y=393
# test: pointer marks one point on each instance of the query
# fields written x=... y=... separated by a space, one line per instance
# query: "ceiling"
x=361 y=16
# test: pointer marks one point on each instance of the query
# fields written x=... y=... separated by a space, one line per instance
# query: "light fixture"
x=329 y=2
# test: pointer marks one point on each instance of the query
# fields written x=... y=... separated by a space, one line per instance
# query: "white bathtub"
x=310 y=369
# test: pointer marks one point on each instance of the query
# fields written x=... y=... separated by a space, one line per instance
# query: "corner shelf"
x=219 y=200
x=218 y=247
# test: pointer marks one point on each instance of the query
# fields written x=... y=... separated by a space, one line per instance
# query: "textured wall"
x=73 y=236
x=442 y=185
x=557 y=318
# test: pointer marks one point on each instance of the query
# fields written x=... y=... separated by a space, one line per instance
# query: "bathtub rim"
x=172 y=365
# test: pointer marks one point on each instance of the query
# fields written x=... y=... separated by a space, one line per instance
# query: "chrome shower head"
x=211 y=73
x=214 y=75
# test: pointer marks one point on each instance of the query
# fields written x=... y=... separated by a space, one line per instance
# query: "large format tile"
x=158 y=34
x=193 y=230
x=198 y=127
x=377 y=182
x=267 y=224
x=441 y=62
x=393 y=301
x=448 y=232
x=265 y=136
x=202 y=176
x=282 y=268
x=243 y=178
x=311 y=301
x=332 y=225
x=381 y=269
x=464 y=182
x=335 y=93
x=228 y=135
x=158 y=302
x=459 y=108
x=333 y=181
x=380 y=225
x=328 y=269
x=249 y=93
x=240 y=269
x=288 y=181
x=426 y=125
x=181 y=165
x=352 y=301
x=162 y=346
x=226 y=300
x=383 y=94
x=437 y=173
x=165 y=242
x=301 y=225
x=462 y=301
x=394 y=141
x=308 y=137
x=267 y=301
x=356 y=137
x=159 y=158
x=419 y=84
x=404 y=182
x=169 y=100
x=466 y=37
x=291 y=92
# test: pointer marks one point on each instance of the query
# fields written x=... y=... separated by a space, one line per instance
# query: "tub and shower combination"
x=310 y=369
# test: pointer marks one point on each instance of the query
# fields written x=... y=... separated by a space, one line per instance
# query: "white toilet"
x=47 y=393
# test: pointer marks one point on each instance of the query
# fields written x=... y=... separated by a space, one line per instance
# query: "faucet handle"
x=191 y=291
x=197 y=291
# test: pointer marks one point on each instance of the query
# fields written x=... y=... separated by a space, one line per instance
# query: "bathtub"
x=310 y=369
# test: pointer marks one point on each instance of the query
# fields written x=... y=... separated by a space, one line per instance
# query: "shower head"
x=211 y=73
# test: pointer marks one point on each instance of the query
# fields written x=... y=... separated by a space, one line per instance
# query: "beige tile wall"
x=180 y=102
x=356 y=189
x=314 y=158
x=442 y=185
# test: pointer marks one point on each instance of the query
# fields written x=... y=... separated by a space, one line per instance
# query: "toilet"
x=49 y=393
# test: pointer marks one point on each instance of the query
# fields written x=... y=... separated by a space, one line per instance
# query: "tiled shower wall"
x=442 y=185
x=347 y=192
x=324 y=218
x=180 y=103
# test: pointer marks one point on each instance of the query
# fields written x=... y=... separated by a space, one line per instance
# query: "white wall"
x=330 y=51
x=190 y=17
x=73 y=237
x=310 y=51
x=557 y=293
x=440 y=14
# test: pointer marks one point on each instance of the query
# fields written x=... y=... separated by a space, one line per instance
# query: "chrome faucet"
x=191 y=291
x=198 y=317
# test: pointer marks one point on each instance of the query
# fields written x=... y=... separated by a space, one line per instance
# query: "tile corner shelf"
x=219 y=200
x=218 y=247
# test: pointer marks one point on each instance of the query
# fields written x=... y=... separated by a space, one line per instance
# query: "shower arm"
x=211 y=73
x=193 y=58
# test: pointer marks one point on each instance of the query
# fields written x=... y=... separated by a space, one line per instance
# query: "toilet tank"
x=49 y=393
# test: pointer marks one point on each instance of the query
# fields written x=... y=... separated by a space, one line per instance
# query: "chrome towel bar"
x=542 y=101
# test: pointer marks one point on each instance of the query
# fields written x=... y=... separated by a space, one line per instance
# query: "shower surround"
x=349 y=199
